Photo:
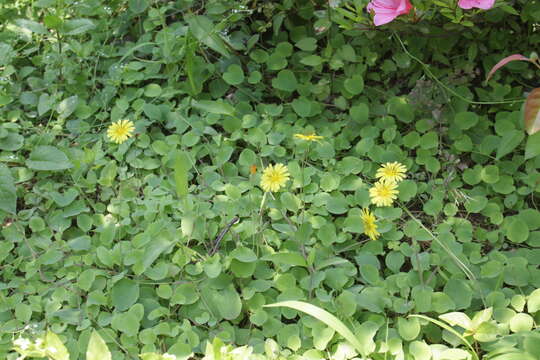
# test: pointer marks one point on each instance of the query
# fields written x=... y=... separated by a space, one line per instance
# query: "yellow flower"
x=274 y=177
x=383 y=193
x=311 y=137
x=394 y=172
x=370 y=228
x=120 y=131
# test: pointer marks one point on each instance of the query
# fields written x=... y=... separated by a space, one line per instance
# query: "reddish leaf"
x=505 y=61
x=532 y=112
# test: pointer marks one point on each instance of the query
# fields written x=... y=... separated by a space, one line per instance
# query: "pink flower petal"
x=387 y=10
x=480 y=4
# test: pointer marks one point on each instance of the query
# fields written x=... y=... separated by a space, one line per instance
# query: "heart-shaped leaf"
x=234 y=75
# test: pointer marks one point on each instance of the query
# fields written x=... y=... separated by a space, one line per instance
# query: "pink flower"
x=480 y=4
x=387 y=10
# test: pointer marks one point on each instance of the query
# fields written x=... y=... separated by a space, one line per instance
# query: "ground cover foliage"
x=167 y=241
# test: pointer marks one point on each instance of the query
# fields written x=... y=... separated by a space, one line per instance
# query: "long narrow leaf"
x=448 y=328
x=181 y=167
x=205 y=31
x=505 y=61
x=326 y=318
x=453 y=256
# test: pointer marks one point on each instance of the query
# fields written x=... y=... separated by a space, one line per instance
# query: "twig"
x=222 y=234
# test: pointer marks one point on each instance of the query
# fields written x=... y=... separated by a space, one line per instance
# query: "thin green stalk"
x=441 y=84
x=458 y=262
x=416 y=251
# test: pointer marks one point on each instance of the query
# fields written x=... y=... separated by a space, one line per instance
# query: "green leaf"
x=327 y=318
x=204 y=30
x=521 y=322
x=370 y=274
x=408 y=329
x=354 y=85
x=285 y=80
x=533 y=302
x=466 y=120
x=147 y=256
x=78 y=26
x=185 y=294
x=449 y=329
x=52 y=21
x=490 y=174
x=182 y=165
x=66 y=198
x=8 y=194
x=228 y=303
x=517 y=230
x=244 y=254
x=509 y=142
x=289 y=258
x=457 y=318
x=23 y=312
x=67 y=106
x=459 y=291
x=11 y=142
x=86 y=279
x=214 y=107
x=97 y=348
x=312 y=60
x=52 y=341
x=138 y=6
x=156 y=356
x=359 y=113
x=32 y=26
x=532 y=147
x=302 y=106
x=128 y=322
x=48 y=158
x=420 y=350
x=124 y=294
x=234 y=75
x=337 y=205
x=322 y=336
x=152 y=90
x=307 y=44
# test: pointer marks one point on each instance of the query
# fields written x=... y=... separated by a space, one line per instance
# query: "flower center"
x=121 y=131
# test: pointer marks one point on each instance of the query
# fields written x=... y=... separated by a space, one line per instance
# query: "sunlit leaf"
x=532 y=112
x=97 y=348
x=326 y=318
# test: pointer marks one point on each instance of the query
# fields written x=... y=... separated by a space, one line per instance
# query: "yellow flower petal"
x=383 y=193
x=274 y=177
x=394 y=172
x=311 y=137
x=370 y=227
x=120 y=131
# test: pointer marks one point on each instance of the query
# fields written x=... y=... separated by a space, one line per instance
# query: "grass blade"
x=181 y=167
x=326 y=318
x=448 y=328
